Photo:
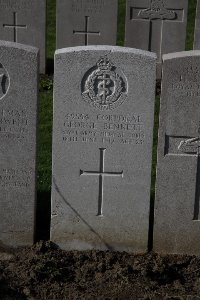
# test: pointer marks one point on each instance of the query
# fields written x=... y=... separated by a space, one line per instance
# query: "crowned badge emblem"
x=190 y=146
x=4 y=81
x=103 y=86
x=157 y=11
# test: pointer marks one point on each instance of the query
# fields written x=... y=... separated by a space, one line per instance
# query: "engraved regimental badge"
x=4 y=81
x=103 y=86
x=190 y=146
x=157 y=11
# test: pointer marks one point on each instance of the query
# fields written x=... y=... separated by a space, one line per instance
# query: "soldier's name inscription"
x=187 y=84
x=13 y=123
x=88 y=6
x=11 y=4
x=123 y=129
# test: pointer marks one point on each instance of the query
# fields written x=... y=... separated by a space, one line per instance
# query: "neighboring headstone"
x=86 y=22
x=102 y=147
x=156 y=25
x=177 y=219
x=24 y=21
x=18 y=109
x=197 y=28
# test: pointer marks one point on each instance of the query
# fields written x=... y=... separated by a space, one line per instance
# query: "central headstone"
x=156 y=25
x=24 y=21
x=18 y=122
x=102 y=142
x=86 y=22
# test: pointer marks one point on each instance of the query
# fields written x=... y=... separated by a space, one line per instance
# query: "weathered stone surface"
x=102 y=142
x=86 y=22
x=197 y=28
x=24 y=21
x=156 y=25
x=18 y=108
x=177 y=226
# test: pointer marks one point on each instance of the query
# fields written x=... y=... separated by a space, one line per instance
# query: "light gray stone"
x=102 y=142
x=24 y=21
x=86 y=22
x=18 y=109
x=156 y=25
x=197 y=28
x=177 y=220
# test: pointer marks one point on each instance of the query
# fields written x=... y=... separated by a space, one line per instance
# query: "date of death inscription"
x=14 y=124
x=101 y=128
x=16 y=177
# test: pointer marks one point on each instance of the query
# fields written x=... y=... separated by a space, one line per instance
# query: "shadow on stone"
x=81 y=218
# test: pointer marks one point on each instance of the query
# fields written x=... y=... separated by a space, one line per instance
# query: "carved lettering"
x=88 y=6
x=188 y=83
x=13 y=123
x=88 y=125
x=87 y=128
x=15 y=4
x=15 y=178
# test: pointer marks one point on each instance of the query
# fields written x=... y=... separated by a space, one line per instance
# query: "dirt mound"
x=46 y=272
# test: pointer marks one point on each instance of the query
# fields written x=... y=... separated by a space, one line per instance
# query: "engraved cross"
x=188 y=146
x=15 y=26
x=156 y=14
x=101 y=174
x=86 y=32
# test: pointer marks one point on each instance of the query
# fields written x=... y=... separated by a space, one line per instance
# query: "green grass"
x=51 y=29
x=191 y=24
x=45 y=141
x=46 y=97
x=121 y=22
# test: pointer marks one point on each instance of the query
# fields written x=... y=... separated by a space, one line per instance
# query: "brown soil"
x=45 y=272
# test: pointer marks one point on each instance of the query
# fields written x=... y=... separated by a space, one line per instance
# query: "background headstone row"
x=154 y=25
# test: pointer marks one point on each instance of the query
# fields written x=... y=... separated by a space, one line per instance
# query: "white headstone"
x=24 y=21
x=102 y=147
x=86 y=22
x=18 y=120
x=177 y=226
x=156 y=25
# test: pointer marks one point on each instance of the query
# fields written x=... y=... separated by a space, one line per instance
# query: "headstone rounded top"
x=107 y=48
x=176 y=55
x=18 y=46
